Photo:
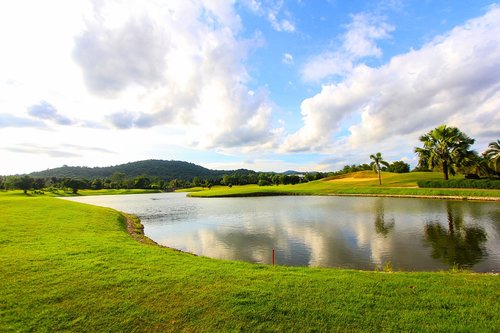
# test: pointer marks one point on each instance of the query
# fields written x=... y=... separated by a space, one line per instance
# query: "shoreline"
x=135 y=229
x=416 y=196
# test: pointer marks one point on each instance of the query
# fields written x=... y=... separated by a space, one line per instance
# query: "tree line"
x=445 y=149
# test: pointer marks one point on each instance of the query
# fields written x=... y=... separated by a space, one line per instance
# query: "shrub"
x=264 y=182
x=461 y=183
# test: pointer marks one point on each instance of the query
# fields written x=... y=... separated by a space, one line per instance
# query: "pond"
x=323 y=231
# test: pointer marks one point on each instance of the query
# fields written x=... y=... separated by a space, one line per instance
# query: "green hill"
x=167 y=170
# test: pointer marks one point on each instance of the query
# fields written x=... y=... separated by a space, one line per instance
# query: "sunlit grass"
x=364 y=182
x=68 y=193
x=66 y=266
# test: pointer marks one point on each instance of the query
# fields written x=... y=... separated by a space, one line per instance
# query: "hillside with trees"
x=166 y=170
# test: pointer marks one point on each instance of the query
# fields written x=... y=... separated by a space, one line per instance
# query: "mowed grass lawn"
x=66 y=266
x=363 y=182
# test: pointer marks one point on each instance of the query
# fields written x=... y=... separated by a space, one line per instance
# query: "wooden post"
x=273 y=257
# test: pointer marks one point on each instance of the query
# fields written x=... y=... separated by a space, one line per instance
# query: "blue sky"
x=265 y=85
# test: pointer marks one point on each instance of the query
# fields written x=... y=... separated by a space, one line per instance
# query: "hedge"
x=461 y=183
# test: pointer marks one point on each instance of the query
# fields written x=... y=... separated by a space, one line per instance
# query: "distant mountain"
x=167 y=170
x=292 y=172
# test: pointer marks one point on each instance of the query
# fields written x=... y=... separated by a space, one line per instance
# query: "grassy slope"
x=66 y=266
x=364 y=182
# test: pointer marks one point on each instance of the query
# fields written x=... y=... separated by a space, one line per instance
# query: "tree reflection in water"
x=382 y=227
x=458 y=244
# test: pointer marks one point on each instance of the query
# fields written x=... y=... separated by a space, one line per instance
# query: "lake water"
x=324 y=231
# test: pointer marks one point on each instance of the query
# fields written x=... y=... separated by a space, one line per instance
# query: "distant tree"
x=207 y=183
x=263 y=182
x=399 y=167
x=75 y=185
x=24 y=183
x=376 y=164
x=227 y=180
x=310 y=176
x=118 y=178
x=276 y=179
x=444 y=147
x=38 y=183
x=96 y=184
x=196 y=181
x=294 y=179
x=492 y=154
x=142 y=182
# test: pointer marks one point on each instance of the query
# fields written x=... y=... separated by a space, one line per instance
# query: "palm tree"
x=377 y=160
x=445 y=147
x=493 y=154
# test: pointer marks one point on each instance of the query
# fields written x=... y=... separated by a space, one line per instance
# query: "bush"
x=461 y=183
x=264 y=182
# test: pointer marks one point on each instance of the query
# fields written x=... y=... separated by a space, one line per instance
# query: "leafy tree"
x=492 y=154
x=118 y=178
x=444 y=147
x=377 y=161
x=97 y=184
x=197 y=181
x=399 y=167
x=38 y=183
x=75 y=185
x=263 y=182
x=24 y=183
x=226 y=180
x=142 y=182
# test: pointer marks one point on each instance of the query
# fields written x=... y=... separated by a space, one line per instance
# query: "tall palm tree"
x=445 y=147
x=493 y=155
x=377 y=160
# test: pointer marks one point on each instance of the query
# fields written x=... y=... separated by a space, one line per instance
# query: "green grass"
x=66 y=266
x=62 y=193
x=364 y=182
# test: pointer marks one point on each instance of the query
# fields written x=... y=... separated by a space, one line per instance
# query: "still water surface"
x=349 y=232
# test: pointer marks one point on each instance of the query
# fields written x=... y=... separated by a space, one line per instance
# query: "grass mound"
x=355 y=175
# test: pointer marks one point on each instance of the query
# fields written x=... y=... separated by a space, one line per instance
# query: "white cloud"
x=358 y=42
x=362 y=32
x=273 y=10
x=44 y=110
x=287 y=59
x=454 y=80
x=181 y=63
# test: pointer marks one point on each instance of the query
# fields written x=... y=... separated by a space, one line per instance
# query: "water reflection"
x=382 y=227
x=359 y=233
x=456 y=244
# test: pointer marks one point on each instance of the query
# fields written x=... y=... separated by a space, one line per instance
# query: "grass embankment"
x=359 y=183
x=62 y=193
x=66 y=266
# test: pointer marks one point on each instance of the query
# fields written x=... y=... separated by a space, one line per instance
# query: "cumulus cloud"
x=273 y=11
x=358 y=42
x=181 y=63
x=46 y=111
x=454 y=80
x=113 y=59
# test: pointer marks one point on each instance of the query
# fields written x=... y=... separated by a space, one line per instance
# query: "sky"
x=267 y=85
